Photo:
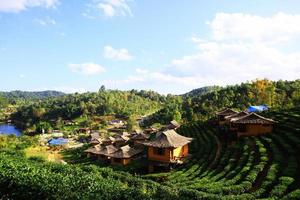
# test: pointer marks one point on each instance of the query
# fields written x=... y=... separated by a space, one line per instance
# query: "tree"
x=131 y=124
x=102 y=88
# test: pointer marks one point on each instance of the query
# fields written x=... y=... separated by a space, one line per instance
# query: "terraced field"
x=264 y=167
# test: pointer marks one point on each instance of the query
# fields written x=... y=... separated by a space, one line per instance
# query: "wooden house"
x=125 y=155
x=138 y=139
x=168 y=147
x=253 y=124
x=92 y=152
x=223 y=114
x=120 y=140
x=230 y=119
x=95 y=138
x=105 y=152
x=108 y=141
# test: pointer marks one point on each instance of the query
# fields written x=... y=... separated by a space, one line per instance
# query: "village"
x=164 y=149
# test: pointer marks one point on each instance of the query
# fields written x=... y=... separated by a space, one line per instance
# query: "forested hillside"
x=105 y=102
x=24 y=95
x=262 y=167
x=201 y=104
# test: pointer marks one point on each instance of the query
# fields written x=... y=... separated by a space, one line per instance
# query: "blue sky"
x=166 y=46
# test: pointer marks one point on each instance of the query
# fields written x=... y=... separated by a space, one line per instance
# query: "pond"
x=8 y=129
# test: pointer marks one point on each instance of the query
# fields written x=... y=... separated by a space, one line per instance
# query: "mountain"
x=17 y=94
x=201 y=91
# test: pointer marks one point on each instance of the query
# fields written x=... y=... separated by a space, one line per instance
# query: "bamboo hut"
x=166 y=148
x=223 y=114
x=124 y=155
x=253 y=125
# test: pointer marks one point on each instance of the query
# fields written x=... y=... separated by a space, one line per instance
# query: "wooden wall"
x=255 y=129
x=169 y=154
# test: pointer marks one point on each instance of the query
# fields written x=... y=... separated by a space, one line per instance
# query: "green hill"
x=17 y=94
x=264 y=167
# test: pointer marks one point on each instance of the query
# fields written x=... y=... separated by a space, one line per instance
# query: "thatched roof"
x=226 y=112
x=236 y=116
x=120 y=138
x=126 y=152
x=93 y=149
x=168 y=139
x=108 y=139
x=126 y=134
x=96 y=141
x=140 y=136
x=107 y=150
x=254 y=118
x=175 y=123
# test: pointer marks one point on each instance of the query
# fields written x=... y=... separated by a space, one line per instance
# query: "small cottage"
x=253 y=124
x=223 y=114
x=139 y=138
x=120 y=140
x=108 y=141
x=230 y=119
x=166 y=148
x=125 y=155
x=95 y=138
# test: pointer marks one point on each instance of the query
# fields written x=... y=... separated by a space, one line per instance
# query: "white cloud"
x=107 y=8
x=45 y=22
x=21 y=76
x=233 y=54
x=111 y=8
x=243 y=47
x=69 y=90
x=65 y=89
x=20 y=5
x=87 y=68
x=280 y=27
x=116 y=54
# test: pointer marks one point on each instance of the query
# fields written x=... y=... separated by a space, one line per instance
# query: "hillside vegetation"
x=264 y=167
x=202 y=104
x=106 y=102
x=251 y=168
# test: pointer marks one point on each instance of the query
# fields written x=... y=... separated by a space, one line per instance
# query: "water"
x=8 y=129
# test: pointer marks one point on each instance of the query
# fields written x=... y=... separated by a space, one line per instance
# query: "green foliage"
x=106 y=102
x=202 y=104
x=43 y=127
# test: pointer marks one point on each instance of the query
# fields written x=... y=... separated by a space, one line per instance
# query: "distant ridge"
x=201 y=91
x=18 y=94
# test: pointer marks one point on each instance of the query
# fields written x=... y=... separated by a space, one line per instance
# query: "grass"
x=43 y=152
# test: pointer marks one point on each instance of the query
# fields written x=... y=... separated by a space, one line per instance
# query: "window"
x=158 y=151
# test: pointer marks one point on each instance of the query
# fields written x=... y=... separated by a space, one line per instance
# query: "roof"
x=175 y=123
x=126 y=152
x=120 y=138
x=226 y=112
x=236 y=116
x=126 y=134
x=168 y=139
x=95 y=135
x=96 y=141
x=140 y=136
x=254 y=118
x=93 y=149
x=107 y=150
